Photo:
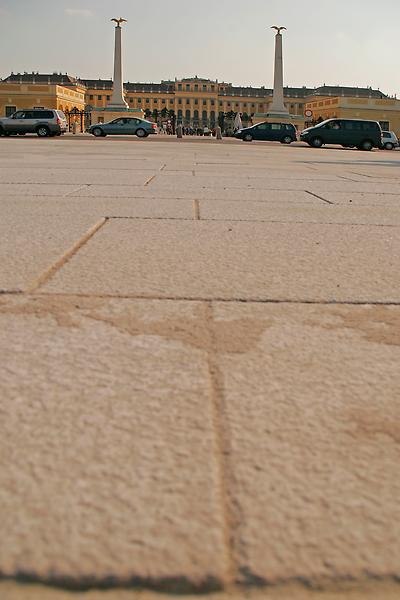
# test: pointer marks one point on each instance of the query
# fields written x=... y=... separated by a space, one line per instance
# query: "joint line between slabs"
x=222 y=448
x=319 y=197
x=48 y=274
x=196 y=208
x=147 y=183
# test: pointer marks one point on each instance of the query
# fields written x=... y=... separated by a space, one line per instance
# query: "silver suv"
x=389 y=140
x=44 y=122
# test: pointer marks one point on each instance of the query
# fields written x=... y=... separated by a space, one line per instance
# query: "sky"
x=336 y=42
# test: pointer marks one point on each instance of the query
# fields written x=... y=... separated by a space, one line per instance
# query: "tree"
x=164 y=112
x=147 y=113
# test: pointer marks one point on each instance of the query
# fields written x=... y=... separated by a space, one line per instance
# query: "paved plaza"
x=200 y=370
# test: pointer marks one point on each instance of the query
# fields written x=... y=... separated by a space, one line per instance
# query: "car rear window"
x=43 y=114
x=60 y=114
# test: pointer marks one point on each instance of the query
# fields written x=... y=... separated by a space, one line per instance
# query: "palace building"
x=195 y=101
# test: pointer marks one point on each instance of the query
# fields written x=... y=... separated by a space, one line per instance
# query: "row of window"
x=188 y=102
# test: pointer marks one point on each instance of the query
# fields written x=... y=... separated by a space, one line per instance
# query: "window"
x=204 y=87
x=196 y=101
x=147 y=100
x=99 y=97
x=385 y=125
x=204 y=116
x=245 y=105
x=263 y=126
x=179 y=100
x=10 y=110
x=91 y=97
x=187 y=100
x=196 y=88
x=39 y=114
x=212 y=88
x=139 y=101
x=163 y=101
x=204 y=102
x=108 y=98
x=180 y=87
x=275 y=126
x=171 y=101
x=155 y=100
x=212 y=102
x=187 y=87
x=220 y=103
x=130 y=99
x=187 y=115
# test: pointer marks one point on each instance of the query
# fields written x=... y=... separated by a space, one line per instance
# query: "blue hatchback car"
x=124 y=126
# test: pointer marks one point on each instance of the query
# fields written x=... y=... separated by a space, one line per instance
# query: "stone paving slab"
x=195 y=192
x=76 y=176
x=299 y=212
x=353 y=187
x=367 y=591
x=231 y=260
x=98 y=207
x=363 y=198
x=36 y=189
x=100 y=471
x=29 y=246
x=310 y=399
x=215 y=182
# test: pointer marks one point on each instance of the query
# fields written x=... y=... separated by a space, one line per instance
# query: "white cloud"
x=78 y=12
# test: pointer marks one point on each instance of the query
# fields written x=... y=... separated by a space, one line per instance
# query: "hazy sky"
x=347 y=42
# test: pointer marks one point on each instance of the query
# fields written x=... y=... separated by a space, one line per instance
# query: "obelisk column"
x=117 y=99
x=278 y=105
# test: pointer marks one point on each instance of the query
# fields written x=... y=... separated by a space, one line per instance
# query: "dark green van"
x=364 y=135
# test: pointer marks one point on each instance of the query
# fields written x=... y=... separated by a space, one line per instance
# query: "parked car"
x=365 y=135
x=389 y=140
x=124 y=126
x=43 y=122
x=272 y=132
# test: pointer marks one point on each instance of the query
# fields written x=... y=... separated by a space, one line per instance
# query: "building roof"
x=43 y=78
x=338 y=90
x=169 y=86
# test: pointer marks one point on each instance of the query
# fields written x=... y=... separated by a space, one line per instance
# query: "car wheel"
x=43 y=131
x=141 y=133
x=367 y=145
x=389 y=146
x=248 y=137
x=97 y=132
x=287 y=140
x=316 y=142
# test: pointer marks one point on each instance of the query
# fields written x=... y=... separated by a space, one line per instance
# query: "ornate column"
x=117 y=99
x=278 y=106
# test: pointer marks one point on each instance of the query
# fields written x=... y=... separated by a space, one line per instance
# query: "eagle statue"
x=278 y=29
x=119 y=21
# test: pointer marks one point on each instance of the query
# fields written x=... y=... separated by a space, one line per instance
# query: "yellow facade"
x=384 y=110
x=16 y=96
x=191 y=99
x=195 y=100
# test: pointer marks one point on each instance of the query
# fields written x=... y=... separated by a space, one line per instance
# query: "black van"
x=365 y=135
x=271 y=132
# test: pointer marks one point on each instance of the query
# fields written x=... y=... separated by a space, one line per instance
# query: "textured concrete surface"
x=226 y=260
x=230 y=427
